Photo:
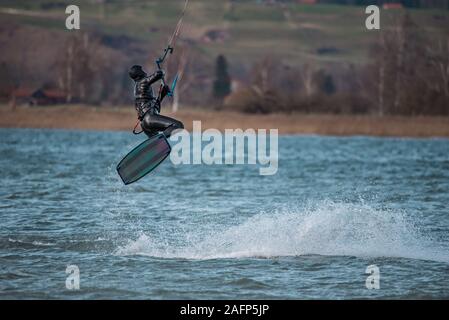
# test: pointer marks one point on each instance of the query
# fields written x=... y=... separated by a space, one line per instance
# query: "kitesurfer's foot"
x=151 y=134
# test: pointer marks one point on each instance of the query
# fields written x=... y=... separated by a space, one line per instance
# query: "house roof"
x=392 y=5
x=54 y=93
x=23 y=92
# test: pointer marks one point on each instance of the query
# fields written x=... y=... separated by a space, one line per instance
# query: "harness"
x=144 y=107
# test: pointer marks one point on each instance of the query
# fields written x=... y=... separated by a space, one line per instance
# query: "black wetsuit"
x=148 y=108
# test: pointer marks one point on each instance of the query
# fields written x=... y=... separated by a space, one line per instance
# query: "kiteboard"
x=143 y=159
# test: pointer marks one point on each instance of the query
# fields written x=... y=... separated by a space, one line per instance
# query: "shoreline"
x=124 y=119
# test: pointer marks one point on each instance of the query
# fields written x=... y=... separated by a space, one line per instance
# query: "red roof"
x=22 y=92
x=55 y=93
x=393 y=5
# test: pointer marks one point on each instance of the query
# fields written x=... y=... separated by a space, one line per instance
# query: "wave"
x=327 y=228
x=34 y=243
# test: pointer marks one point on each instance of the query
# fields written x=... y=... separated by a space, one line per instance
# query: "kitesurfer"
x=148 y=106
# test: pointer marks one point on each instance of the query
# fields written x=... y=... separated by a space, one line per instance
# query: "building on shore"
x=39 y=97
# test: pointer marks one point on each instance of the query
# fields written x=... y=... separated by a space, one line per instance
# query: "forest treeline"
x=407 y=74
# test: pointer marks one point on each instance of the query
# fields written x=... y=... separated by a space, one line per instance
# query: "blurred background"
x=307 y=56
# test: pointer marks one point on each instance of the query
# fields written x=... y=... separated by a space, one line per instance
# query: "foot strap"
x=135 y=127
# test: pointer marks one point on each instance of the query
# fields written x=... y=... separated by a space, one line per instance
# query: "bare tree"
x=400 y=40
x=266 y=75
x=76 y=71
x=381 y=87
x=84 y=70
x=439 y=58
x=402 y=72
x=178 y=66
x=307 y=78
x=68 y=85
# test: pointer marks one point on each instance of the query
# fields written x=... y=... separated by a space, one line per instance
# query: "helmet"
x=136 y=72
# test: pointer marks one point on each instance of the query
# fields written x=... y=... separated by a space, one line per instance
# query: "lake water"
x=335 y=207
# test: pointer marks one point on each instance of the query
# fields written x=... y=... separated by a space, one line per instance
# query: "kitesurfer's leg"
x=151 y=133
x=169 y=124
x=173 y=127
x=147 y=128
x=157 y=122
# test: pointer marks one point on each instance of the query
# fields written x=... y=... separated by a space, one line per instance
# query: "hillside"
x=245 y=31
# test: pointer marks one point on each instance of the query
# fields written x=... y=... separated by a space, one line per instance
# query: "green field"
x=293 y=32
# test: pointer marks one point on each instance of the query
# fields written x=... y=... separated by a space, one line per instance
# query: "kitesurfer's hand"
x=160 y=74
x=165 y=90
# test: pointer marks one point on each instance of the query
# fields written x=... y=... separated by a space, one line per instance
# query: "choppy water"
x=336 y=206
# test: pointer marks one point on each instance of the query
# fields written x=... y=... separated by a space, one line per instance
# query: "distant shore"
x=124 y=119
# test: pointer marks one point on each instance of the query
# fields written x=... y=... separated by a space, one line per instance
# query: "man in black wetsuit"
x=148 y=106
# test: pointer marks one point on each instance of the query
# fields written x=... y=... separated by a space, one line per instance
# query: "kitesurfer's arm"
x=158 y=75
